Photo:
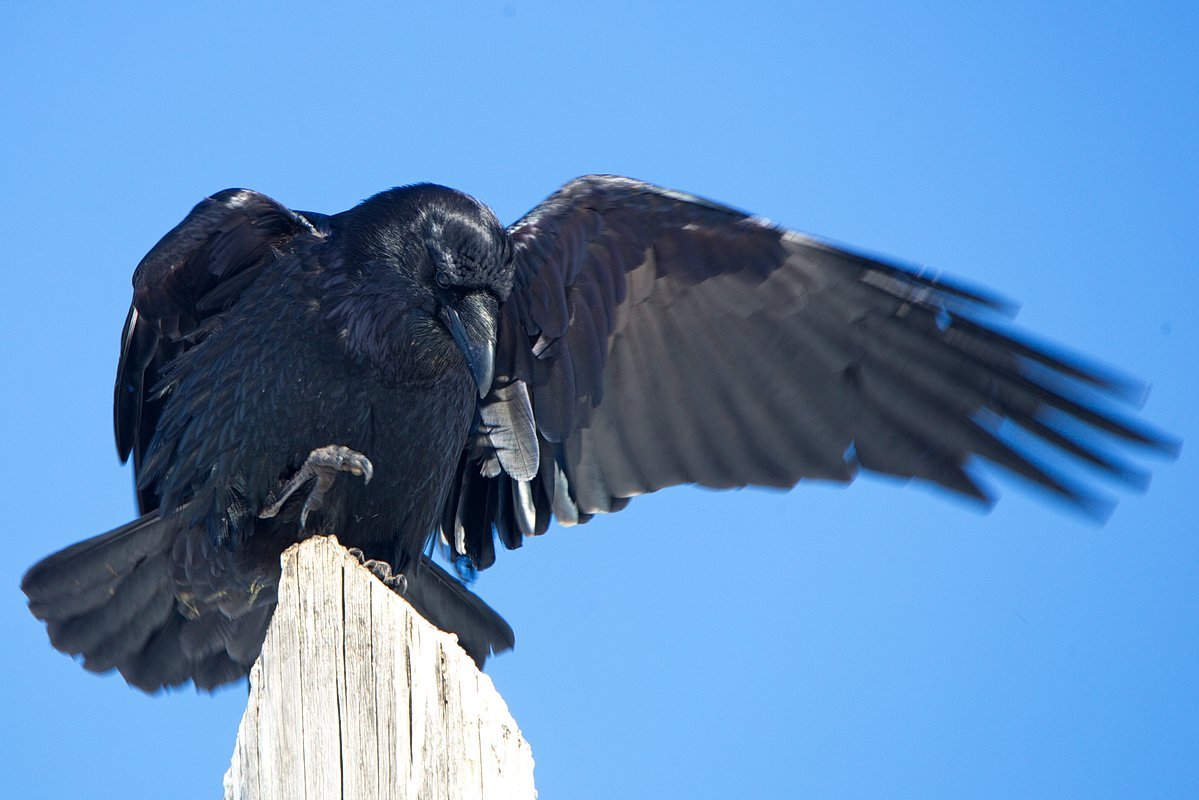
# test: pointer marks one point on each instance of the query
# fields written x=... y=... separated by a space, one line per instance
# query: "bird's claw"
x=322 y=465
x=397 y=582
x=340 y=458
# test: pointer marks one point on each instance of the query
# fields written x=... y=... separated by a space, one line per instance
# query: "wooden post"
x=355 y=695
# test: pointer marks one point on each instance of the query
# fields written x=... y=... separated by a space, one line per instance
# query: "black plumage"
x=618 y=339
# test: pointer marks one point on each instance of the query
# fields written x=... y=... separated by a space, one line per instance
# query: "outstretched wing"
x=181 y=288
x=654 y=338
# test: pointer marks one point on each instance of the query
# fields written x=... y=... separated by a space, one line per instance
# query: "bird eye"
x=443 y=280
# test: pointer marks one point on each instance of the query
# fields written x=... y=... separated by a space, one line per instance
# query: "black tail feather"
x=442 y=599
x=111 y=599
x=86 y=575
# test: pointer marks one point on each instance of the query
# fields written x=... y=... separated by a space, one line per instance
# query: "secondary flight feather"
x=411 y=367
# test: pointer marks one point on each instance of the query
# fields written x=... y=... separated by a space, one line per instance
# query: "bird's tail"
x=112 y=600
x=442 y=599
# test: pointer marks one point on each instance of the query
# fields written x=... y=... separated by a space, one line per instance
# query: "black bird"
x=618 y=339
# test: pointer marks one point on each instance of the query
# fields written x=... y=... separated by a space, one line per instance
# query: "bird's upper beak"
x=472 y=323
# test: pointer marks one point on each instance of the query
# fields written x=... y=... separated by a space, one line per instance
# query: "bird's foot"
x=322 y=465
x=382 y=570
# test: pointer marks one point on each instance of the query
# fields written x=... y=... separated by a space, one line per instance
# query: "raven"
x=411 y=365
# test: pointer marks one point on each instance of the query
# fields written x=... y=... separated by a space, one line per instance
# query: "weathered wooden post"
x=355 y=695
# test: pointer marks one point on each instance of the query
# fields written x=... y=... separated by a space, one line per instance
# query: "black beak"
x=472 y=324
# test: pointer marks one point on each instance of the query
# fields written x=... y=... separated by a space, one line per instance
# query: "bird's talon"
x=396 y=581
x=322 y=465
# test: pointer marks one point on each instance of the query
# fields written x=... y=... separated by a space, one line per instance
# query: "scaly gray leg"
x=322 y=464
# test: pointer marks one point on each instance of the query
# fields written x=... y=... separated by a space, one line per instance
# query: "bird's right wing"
x=181 y=288
x=654 y=338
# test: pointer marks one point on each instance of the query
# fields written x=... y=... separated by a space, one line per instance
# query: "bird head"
x=445 y=263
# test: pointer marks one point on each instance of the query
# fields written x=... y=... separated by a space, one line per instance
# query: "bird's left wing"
x=654 y=338
x=182 y=286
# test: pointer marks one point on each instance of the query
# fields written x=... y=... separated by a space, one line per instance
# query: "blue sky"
x=864 y=642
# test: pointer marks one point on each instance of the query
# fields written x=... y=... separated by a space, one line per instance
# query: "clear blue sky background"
x=876 y=641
